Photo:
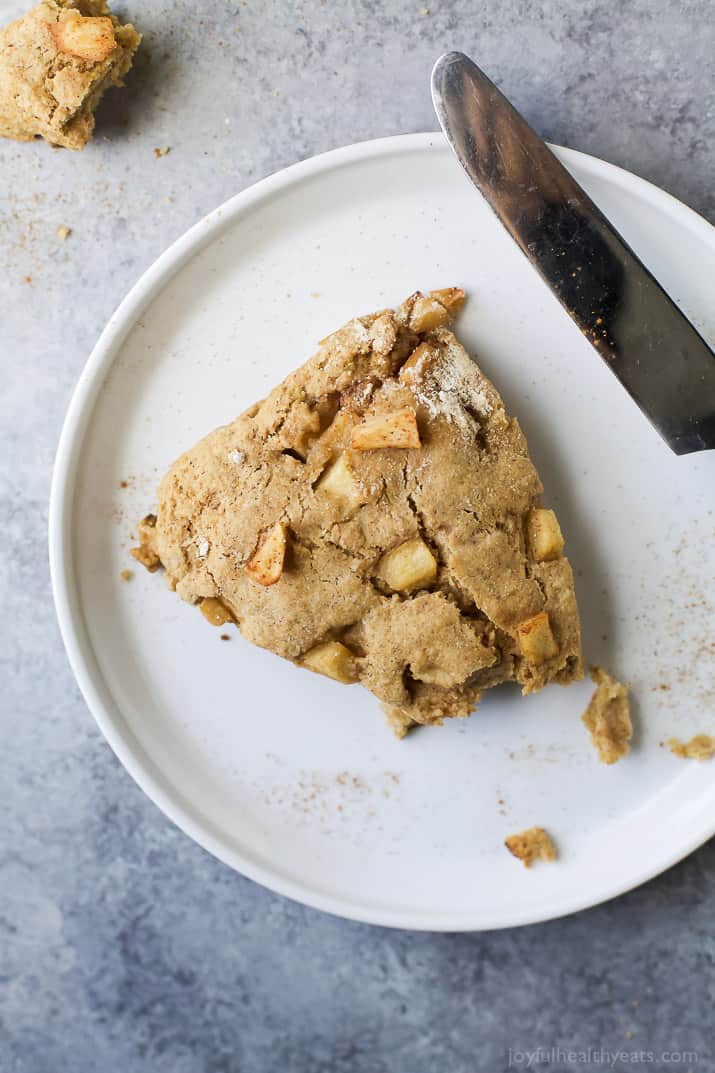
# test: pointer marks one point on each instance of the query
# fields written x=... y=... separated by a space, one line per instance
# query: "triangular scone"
x=377 y=518
x=55 y=64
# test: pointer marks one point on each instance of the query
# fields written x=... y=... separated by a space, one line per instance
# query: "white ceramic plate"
x=294 y=780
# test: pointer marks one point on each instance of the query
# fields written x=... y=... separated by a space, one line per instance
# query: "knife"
x=656 y=353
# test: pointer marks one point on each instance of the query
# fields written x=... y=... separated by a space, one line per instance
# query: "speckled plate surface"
x=290 y=778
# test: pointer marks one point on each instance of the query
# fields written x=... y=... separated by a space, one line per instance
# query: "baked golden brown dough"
x=608 y=717
x=55 y=64
x=377 y=519
x=532 y=845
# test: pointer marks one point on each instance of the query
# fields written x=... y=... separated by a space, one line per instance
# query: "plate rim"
x=62 y=570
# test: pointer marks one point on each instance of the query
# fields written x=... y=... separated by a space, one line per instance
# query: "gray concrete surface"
x=123 y=946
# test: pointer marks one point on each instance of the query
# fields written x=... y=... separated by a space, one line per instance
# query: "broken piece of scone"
x=377 y=519
x=531 y=845
x=608 y=717
x=55 y=64
x=700 y=747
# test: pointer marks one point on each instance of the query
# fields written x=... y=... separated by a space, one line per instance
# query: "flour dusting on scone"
x=377 y=519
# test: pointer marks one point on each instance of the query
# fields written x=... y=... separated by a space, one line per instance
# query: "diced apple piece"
x=332 y=659
x=427 y=314
x=339 y=483
x=215 y=612
x=266 y=565
x=543 y=535
x=398 y=429
x=88 y=38
x=409 y=566
x=536 y=640
x=452 y=298
x=418 y=363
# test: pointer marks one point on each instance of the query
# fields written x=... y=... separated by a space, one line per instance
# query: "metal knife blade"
x=656 y=353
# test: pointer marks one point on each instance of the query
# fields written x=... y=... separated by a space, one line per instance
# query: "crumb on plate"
x=608 y=717
x=531 y=845
x=700 y=747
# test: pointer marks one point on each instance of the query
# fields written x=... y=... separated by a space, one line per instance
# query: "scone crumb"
x=608 y=717
x=146 y=552
x=393 y=430
x=148 y=558
x=162 y=150
x=126 y=575
x=700 y=747
x=63 y=232
x=531 y=845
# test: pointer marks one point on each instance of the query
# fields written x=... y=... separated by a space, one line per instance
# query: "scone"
x=55 y=64
x=377 y=519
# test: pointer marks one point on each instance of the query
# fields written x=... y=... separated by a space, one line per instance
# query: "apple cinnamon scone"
x=377 y=519
x=55 y=64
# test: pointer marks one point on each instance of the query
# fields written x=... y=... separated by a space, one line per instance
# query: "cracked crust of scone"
x=56 y=62
x=608 y=717
x=414 y=558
